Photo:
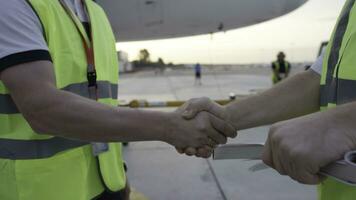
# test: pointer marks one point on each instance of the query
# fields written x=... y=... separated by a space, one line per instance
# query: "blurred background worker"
x=280 y=68
x=197 y=69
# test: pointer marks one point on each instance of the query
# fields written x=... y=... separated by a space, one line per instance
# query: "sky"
x=299 y=34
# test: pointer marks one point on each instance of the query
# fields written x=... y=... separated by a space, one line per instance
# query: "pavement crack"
x=223 y=195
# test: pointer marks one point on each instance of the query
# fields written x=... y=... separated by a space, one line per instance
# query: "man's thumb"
x=195 y=106
x=190 y=113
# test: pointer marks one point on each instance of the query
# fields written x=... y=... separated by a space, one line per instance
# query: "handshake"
x=198 y=126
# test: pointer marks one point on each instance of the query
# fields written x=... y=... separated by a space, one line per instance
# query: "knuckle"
x=267 y=161
x=281 y=171
x=270 y=134
x=294 y=177
x=266 y=158
x=207 y=155
x=235 y=134
x=190 y=151
x=231 y=131
x=274 y=129
x=277 y=138
x=204 y=153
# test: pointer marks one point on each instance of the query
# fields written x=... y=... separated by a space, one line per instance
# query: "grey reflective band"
x=36 y=149
x=105 y=90
x=323 y=96
x=7 y=105
x=335 y=51
x=346 y=92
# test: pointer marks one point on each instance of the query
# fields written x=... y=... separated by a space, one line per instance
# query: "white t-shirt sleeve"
x=318 y=65
x=21 y=34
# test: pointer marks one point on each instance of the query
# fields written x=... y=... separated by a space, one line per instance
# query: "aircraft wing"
x=157 y=19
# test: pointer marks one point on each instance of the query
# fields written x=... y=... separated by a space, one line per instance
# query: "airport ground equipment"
x=160 y=104
x=343 y=171
x=170 y=104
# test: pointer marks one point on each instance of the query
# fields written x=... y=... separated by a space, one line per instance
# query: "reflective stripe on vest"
x=278 y=66
x=338 y=85
x=329 y=92
x=36 y=149
x=106 y=90
x=42 y=167
x=345 y=93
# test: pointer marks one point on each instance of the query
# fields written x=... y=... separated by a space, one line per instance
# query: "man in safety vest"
x=320 y=126
x=280 y=68
x=59 y=124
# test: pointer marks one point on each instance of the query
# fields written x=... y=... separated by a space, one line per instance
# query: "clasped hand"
x=199 y=126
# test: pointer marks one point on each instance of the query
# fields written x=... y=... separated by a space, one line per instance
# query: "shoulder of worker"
x=21 y=34
x=15 y=11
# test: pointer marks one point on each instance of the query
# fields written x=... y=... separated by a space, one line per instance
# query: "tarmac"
x=159 y=173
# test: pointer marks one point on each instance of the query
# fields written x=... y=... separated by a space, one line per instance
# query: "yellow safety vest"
x=278 y=66
x=338 y=85
x=43 y=167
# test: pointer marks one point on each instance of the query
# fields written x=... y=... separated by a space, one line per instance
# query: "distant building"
x=124 y=64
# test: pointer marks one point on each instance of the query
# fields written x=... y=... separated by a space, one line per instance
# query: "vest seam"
x=39 y=19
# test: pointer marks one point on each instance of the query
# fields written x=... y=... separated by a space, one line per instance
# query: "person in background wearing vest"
x=280 y=68
x=197 y=69
x=60 y=127
x=320 y=126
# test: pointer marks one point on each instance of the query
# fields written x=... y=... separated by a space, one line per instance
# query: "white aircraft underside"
x=157 y=19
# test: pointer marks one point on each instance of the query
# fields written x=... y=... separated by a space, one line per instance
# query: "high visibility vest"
x=276 y=70
x=43 y=167
x=338 y=85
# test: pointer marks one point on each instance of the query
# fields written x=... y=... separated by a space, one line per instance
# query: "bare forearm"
x=54 y=112
x=68 y=115
x=296 y=96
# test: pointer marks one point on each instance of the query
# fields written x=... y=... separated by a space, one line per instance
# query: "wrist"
x=230 y=116
x=166 y=125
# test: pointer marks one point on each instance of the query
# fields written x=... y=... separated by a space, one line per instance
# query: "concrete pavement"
x=156 y=170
